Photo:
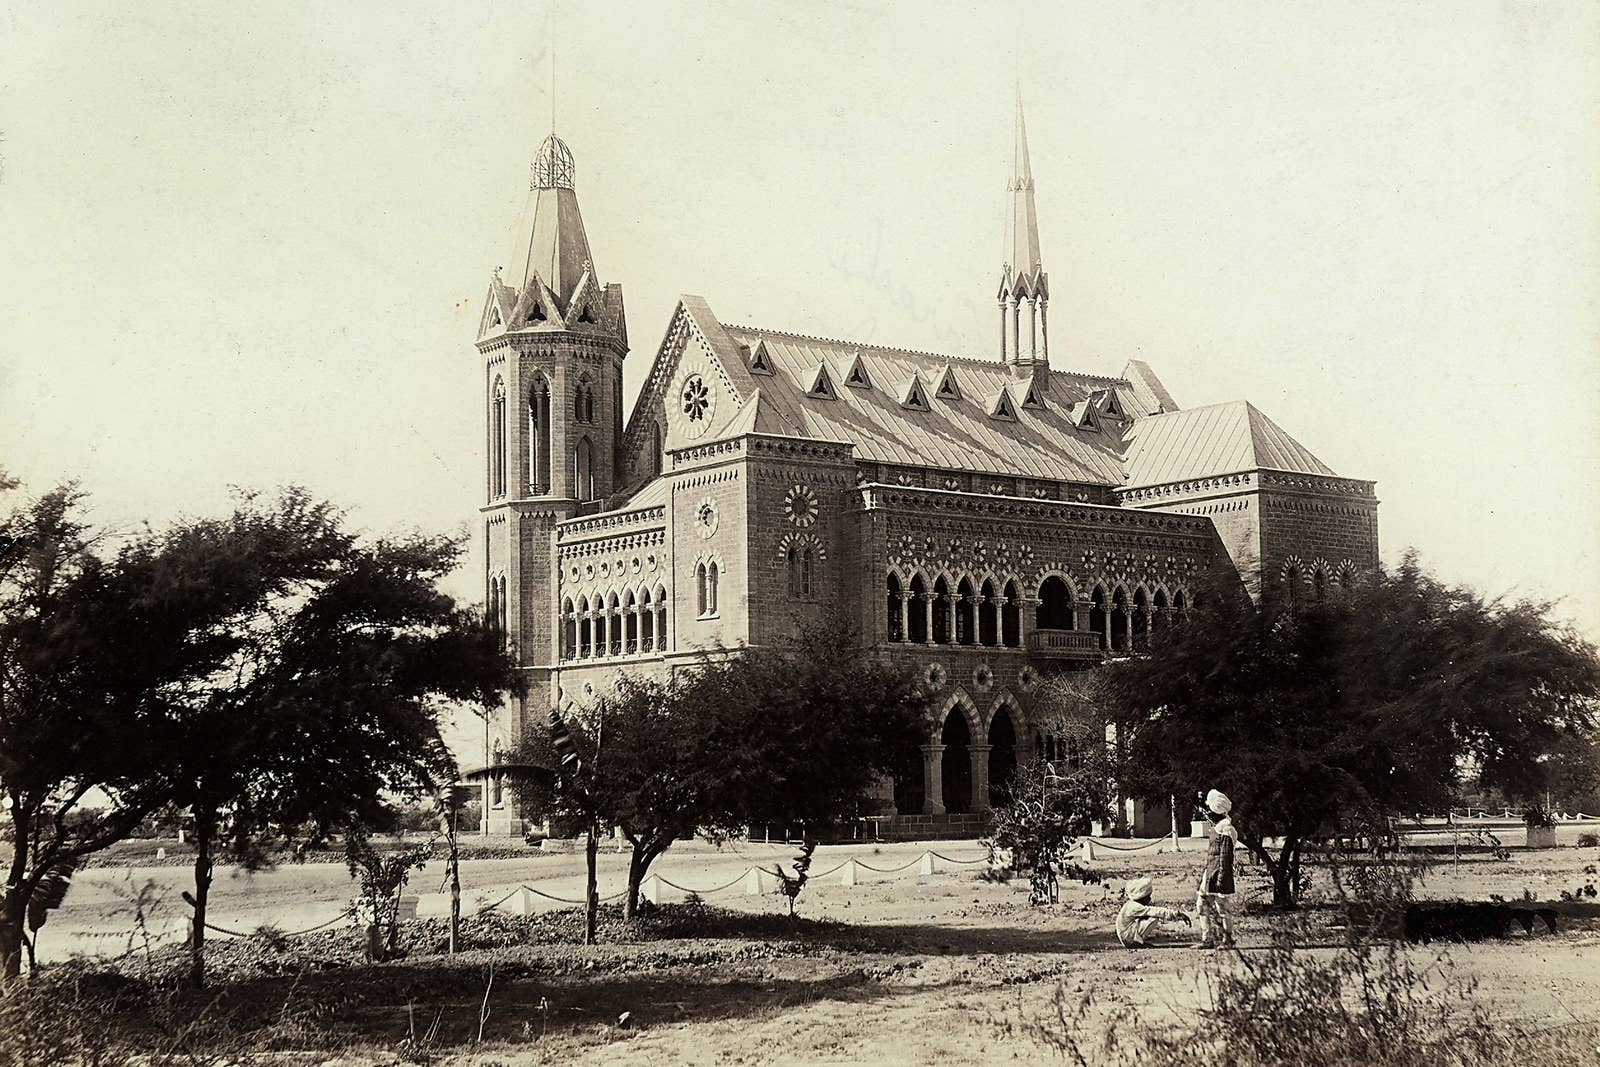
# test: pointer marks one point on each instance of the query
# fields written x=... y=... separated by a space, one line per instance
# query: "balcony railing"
x=1065 y=644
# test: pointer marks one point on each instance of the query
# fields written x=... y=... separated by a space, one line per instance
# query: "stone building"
x=985 y=520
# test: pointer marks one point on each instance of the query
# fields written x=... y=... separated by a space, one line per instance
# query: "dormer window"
x=1032 y=398
x=1002 y=407
x=856 y=376
x=760 y=359
x=535 y=313
x=822 y=384
x=914 y=398
x=946 y=387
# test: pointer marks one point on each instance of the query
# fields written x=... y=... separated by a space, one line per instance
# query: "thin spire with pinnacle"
x=1022 y=245
x=1024 y=295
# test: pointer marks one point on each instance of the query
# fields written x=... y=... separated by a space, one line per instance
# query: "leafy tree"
x=95 y=651
x=1339 y=715
x=741 y=736
x=340 y=659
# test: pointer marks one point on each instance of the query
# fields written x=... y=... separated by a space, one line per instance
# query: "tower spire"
x=1024 y=288
x=1022 y=248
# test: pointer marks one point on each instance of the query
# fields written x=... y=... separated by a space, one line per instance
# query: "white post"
x=753 y=884
x=651 y=889
x=849 y=875
x=1088 y=850
x=926 y=865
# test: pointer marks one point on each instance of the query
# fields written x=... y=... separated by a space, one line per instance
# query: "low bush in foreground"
x=1360 y=1003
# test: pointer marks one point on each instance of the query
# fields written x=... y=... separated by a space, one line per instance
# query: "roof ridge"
x=748 y=328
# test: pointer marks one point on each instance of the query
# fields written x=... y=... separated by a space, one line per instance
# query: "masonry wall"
x=797 y=498
x=709 y=517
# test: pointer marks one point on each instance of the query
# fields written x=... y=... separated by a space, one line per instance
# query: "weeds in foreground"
x=1363 y=1003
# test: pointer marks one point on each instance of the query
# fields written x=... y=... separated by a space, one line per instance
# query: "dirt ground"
x=899 y=968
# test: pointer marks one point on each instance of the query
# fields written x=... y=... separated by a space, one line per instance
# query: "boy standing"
x=1216 y=879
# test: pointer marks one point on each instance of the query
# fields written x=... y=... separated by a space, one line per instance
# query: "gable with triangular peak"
x=945 y=387
x=497 y=307
x=820 y=386
x=761 y=359
x=1087 y=420
x=1001 y=406
x=856 y=376
x=697 y=384
x=913 y=397
x=1033 y=392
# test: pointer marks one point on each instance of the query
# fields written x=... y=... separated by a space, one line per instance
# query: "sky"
x=249 y=244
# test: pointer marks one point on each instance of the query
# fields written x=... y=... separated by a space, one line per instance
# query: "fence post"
x=1088 y=850
x=522 y=903
x=926 y=865
x=752 y=882
x=849 y=875
x=651 y=889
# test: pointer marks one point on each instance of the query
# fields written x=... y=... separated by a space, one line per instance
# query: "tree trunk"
x=455 y=892
x=13 y=916
x=204 y=826
x=638 y=867
x=1284 y=871
x=592 y=893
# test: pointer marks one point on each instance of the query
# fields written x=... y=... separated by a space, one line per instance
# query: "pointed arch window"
x=1291 y=586
x=647 y=623
x=988 y=616
x=1158 y=612
x=941 y=611
x=583 y=470
x=896 y=605
x=1119 y=620
x=630 y=624
x=661 y=618
x=1011 y=617
x=497 y=439
x=585 y=629
x=964 y=612
x=917 y=628
x=1097 y=617
x=711 y=586
x=806 y=572
x=539 y=437
x=569 y=630
x=1140 y=621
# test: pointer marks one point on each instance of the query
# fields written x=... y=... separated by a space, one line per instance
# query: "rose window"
x=696 y=398
x=800 y=506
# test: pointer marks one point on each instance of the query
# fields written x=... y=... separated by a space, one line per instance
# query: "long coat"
x=1218 y=874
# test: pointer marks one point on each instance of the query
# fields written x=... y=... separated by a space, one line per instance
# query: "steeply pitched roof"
x=957 y=434
x=1217 y=439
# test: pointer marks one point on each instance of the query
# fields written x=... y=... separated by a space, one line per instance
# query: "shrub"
x=1366 y=1003
x=1589 y=840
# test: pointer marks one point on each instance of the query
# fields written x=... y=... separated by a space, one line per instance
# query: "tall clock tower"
x=551 y=344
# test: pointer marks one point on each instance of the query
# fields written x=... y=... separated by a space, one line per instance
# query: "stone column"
x=1033 y=328
x=980 y=778
x=1027 y=617
x=1044 y=328
x=1003 y=355
x=905 y=616
x=1015 y=311
x=933 y=779
x=927 y=617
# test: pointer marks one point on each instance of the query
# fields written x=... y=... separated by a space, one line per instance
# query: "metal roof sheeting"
x=954 y=434
x=1217 y=439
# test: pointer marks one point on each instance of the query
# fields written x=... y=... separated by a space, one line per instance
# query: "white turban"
x=1218 y=803
x=1138 y=889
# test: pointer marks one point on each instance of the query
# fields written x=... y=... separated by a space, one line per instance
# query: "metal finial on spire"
x=552 y=165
